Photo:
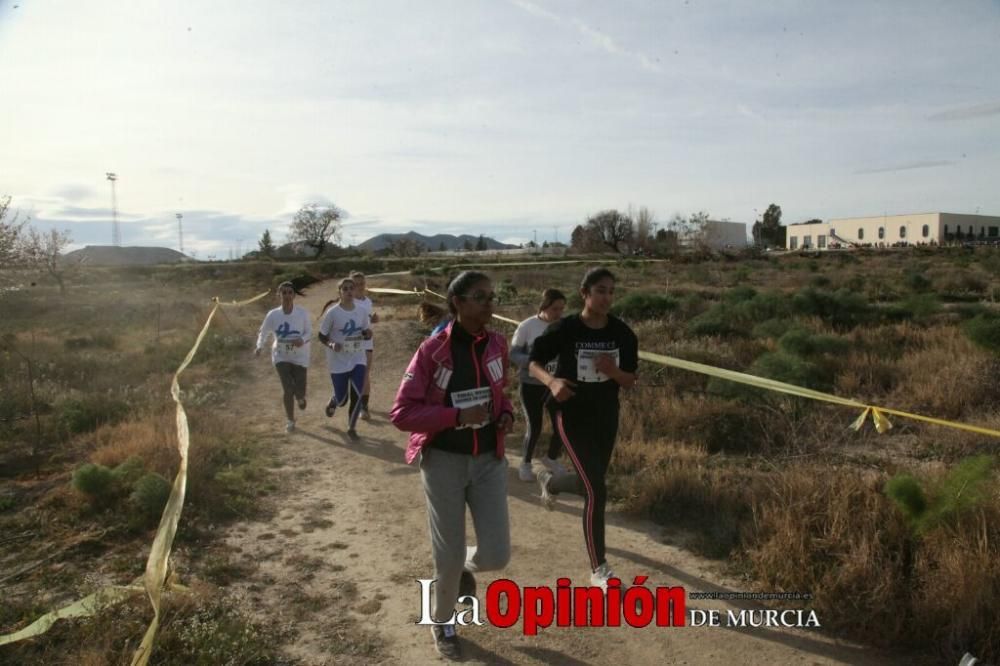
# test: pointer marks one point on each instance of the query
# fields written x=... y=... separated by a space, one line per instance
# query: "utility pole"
x=535 y=241
x=180 y=231
x=116 y=233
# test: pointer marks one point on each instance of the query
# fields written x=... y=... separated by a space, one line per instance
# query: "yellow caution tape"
x=878 y=414
x=85 y=607
x=155 y=576
x=159 y=555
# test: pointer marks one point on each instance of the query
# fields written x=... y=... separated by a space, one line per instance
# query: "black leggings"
x=589 y=438
x=533 y=401
x=293 y=385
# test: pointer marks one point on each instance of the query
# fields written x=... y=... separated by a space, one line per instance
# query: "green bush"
x=803 y=343
x=85 y=414
x=95 y=481
x=842 y=309
x=149 y=495
x=644 y=305
x=916 y=307
x=791 y=369
x=916 y=281
x=128 y=472
x=772 y=328
x=713 y=322
x=984 y=330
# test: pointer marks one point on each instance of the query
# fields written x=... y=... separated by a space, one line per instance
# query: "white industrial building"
x=720 y=235
x=893 y=231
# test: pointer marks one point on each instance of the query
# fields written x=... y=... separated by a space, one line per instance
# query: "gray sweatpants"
x=452 y=480
x=293 y=385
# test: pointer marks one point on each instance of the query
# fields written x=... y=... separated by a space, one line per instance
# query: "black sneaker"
x=446 y=641
x=353 y=434
x=466 y=586
x=302 y=403
x=331 y=407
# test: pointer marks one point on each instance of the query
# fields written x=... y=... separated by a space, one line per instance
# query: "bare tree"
x=612 y=228
x=43 y=250
x=11 y=239
x=316 y=226
x=583 y=239
x=644 y=221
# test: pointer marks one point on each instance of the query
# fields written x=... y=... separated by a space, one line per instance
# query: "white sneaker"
x=548 y=500
x=554 y=466
x=601 y=576
x=524 y=472
x=290 y=426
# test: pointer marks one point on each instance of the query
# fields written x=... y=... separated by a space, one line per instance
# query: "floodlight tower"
x=116 y=232
x=180 y=231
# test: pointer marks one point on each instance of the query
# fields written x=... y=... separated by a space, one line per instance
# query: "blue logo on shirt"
x=285 y=331
x=350 y=328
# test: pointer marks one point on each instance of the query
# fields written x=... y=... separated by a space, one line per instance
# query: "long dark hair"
x=332 y=301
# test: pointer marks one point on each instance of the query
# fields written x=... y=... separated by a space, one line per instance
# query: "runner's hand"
x=337 y=347
x=367 y=334
x=562 y=389
x=373 y=318
x=473 y=415
x=505 y=424
x=605 y=364
x=298 y=342
x=256 y=351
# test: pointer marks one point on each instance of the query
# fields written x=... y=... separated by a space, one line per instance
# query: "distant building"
x=892 y=231
x=720 y=235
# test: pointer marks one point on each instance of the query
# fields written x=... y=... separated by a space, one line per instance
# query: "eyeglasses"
x=480 y=297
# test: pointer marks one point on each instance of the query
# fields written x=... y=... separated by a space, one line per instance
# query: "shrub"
x=802 y=342
x=791 y=369
x=916 y=307
x=129 y=471
x=644 y=305
x=984 y=330
x=85 y=414
x=772 y=328
x=150 y=494
x=95 y=481
x=842 y=309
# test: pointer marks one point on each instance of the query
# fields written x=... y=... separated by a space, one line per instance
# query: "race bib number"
x=585 y=364
x=286 y=346
x=471 y=398
x=352 y=345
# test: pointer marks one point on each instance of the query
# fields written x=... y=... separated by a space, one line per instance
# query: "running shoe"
x=466 y=585
x=353 y=434
x=601 y=576
x=302 y=403
x=524 y=472
x=548 y=500
x=554 y=466
x=446 y=642
x=331 y=407
x=366 y=415
x=290 y=426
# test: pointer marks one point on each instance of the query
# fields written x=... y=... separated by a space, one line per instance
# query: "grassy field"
x=896 y=536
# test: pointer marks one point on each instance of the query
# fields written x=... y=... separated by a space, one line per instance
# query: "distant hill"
x=433 y=243
x=109 y=255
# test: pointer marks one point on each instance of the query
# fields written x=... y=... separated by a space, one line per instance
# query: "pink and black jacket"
x=421 y=404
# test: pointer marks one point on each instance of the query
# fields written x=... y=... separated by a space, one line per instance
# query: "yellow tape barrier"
x=877 y=414
x=159 y=555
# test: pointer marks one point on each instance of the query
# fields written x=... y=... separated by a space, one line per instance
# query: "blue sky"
x=502 y=117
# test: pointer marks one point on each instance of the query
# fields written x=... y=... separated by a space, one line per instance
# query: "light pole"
x=180 y=231
x=116 y=234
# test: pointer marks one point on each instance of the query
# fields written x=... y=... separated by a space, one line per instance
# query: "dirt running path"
x=340 y=558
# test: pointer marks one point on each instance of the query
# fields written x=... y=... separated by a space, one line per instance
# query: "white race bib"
x=352 y=345
x=286 y=346
x=471 y=398
x=585 y=368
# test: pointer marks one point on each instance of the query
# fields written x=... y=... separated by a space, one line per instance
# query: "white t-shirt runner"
x=345 y=327
x=366 y=304
x=286 y=329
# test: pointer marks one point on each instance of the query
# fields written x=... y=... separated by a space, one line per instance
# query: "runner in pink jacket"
x=451 y=401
